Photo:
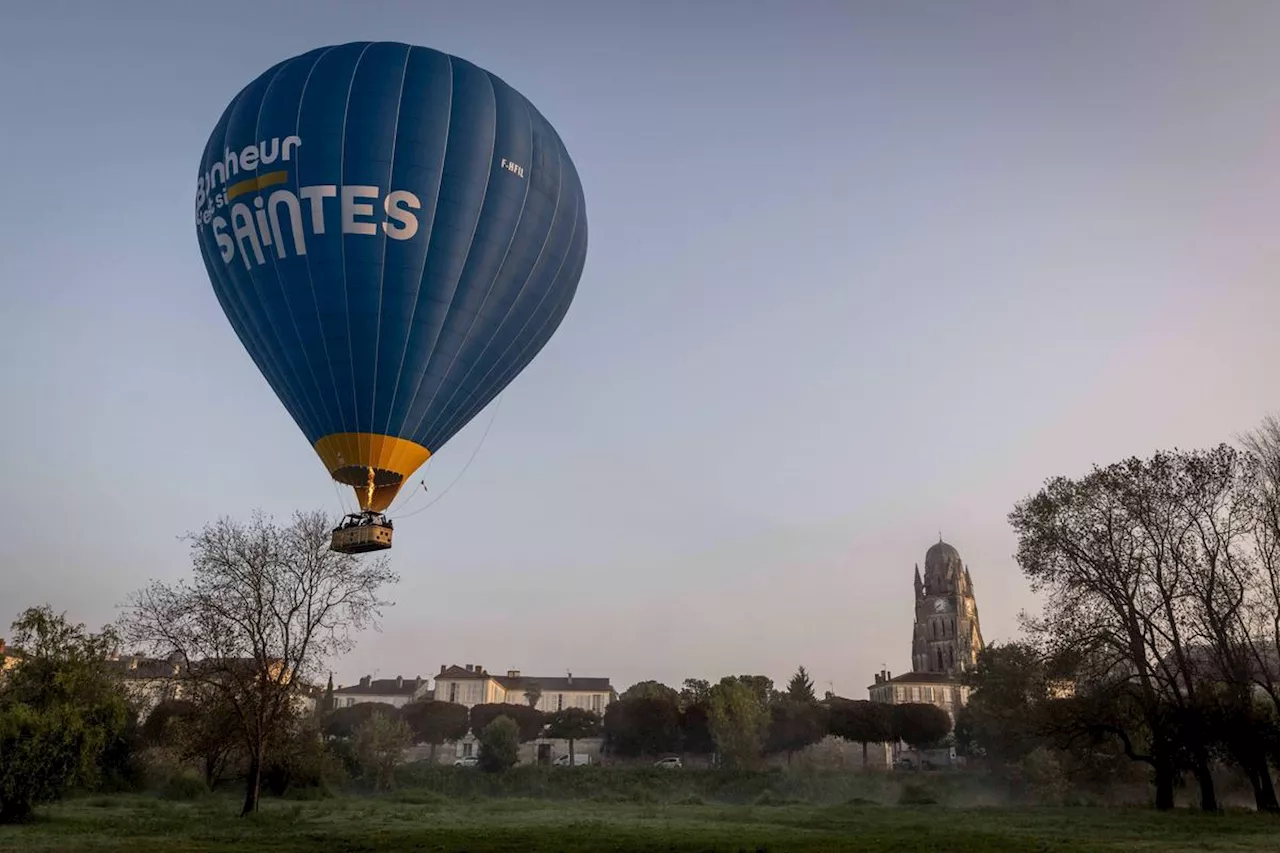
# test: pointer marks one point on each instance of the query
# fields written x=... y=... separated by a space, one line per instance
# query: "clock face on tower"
x=940 y=605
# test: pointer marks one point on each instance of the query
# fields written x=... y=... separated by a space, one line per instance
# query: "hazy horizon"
x=859 y=274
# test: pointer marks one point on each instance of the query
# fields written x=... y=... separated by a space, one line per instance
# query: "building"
x=945 y=640
x=9 y=658
x=396 y=691
x=472 y=684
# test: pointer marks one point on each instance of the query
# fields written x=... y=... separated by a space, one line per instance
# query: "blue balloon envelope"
x=394 y=234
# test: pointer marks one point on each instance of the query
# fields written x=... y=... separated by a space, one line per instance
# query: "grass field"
x=428 y=821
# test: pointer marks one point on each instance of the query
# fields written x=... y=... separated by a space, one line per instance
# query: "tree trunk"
x=1264 y=793
x=1164 y=787
x=254 y=782
x=1208 y=795
x=864 y=755
x=433 y=753
x=571 y=761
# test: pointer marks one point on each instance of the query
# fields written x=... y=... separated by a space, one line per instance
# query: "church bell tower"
x=947 y=635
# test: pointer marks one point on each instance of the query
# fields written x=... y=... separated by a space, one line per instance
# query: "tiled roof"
x=920 y=678
x=136 y=667
x=559 y=684
x=382 y=687
x=549 y=684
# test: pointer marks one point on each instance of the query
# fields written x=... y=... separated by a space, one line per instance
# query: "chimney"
x=479 y=668
x=399 y=682
x=513 y=673
x=442 y=669
x=365 y=680
x=569 y=678
x=469 y=666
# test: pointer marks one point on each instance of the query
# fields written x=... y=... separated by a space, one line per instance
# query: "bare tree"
x=1123 y=553
x=265 y=606
x=1262 y=614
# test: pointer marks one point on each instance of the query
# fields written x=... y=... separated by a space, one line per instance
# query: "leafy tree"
x=650 y=690
x=203 y=731
x=343 y=722
x=380 y=742
x=695 y=729
x=739 y=718
x=573 y=724
x=1009 y=689
x=644 y=726
x=436 y=722
x=860 y=721
x=298 y=757
x=264 y=606
x=60 y=711
x=499 y=744
x=695 y=690
x=800 y=687
x=795 y=724
x=919 y=725
x=761 y=686
x=328 y=703
x=529 y=721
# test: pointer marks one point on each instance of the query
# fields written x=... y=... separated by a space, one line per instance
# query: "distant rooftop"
x=513 y=680
x=368 y=686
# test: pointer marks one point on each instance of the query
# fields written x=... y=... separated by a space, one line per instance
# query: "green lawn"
x=421 y=820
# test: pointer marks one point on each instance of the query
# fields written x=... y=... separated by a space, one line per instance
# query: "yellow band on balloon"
x=260 y=182
x=376 y=466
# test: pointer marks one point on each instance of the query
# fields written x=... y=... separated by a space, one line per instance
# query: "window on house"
x=453 y=691
x=915 y=694
x=466 y=750
x=595 y=703
x=928 y=694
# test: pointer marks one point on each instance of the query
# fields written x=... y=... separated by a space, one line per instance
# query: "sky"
x=860 y=274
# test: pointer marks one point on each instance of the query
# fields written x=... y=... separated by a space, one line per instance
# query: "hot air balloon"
x=394 y=233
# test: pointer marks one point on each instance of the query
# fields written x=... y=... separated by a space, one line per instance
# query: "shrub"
x=499 y=745
x=185 y=785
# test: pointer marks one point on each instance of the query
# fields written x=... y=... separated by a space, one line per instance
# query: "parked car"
x=669 y=761
x=579 y=759
x=467 y=761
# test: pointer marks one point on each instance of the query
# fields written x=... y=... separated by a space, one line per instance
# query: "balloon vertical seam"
x=463 y=270
x=515 y=232
x=417 y=296
x=382 y=273
x=342 y=241
x=315 y=299
x=532 y=269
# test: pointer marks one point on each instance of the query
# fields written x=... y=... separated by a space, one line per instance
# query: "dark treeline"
x=1158 y=638
x=67 y=721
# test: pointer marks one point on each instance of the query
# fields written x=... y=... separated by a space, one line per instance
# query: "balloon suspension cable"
x=474 y=453
x=406 y=498
x=343 y=498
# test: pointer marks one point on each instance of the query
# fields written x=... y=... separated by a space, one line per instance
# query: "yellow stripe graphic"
x=256 y=183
